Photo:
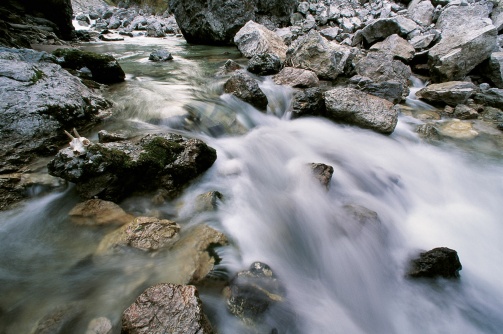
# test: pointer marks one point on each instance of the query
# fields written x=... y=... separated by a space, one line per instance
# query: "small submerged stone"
x=160 y=55
x=99 y=212
x=438 y=262
x=458 y=129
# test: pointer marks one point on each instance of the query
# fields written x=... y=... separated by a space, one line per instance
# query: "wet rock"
x=492 y=97
x=252 y=292
x=381 y=28
x=467 y=39
x=381 y=67
x=197 y=248
x=166 y=308
x=112 y=171
x=428 y=131
x=246 y=88
x=362 y=215
x=392 y=90
x=322 y=172
x=104 y=68
x=255 y=39
x=111 y=38
x=308 y=102
x=264 y=64
x=352 y=106
x=438 y=262
x=217 y=23
x=458 y=129
x=315 y=53
x=296 y=77
x=208 y=201
x=99 y=325
x=160 y=55
x=492 y=68
x=60 y=320
x=229 y=66
x=47 y=100
x=110 y=137
x=147 y=234
x=451 y=93
x=99 y=212
x=462 y=111
x=397 y=46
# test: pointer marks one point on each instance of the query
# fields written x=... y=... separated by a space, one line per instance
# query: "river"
x=339 y=276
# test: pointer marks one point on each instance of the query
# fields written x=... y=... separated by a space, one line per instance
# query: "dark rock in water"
x=264 y=64
x=438 y=262
x=47 y=100
x=218 y=21
x=63 y=319
x=323 y=173
x=308 y=102
x=246 y=88
x=351 y=106
x=104 y=68
x=110 y=137
x=428 y=131
x=166 y=308
x=391 y=90
x=229 y=66
x=112 y=171
x=160 y=55
x=296 y=77
x=451 y=93
x=111 y=38
x=252 y=292
x=492 y=97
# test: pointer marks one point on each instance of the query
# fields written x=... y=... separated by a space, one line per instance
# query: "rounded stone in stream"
x=160 y=55
x=438 y=262
x=98 y=212
x=264 y=64
x=166 y=308
x=246 y=88
x=252 y=292
x=323 y=173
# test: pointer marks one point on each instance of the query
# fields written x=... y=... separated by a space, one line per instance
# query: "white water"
x=340 y=276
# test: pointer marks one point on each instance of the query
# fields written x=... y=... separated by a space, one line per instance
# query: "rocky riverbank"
x=349 y=62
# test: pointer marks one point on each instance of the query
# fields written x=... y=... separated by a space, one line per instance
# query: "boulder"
x=352 y=106
x=421 y=42
x=492 y=68
x=112 y=171
x=47 y=100
x=296 y=77
x=422 y=12
x=155 y=29
x=492 y=97
x=391 y=90
x=246 y=88
x=451 y=93
x=438 y=262
x=381 y=28
x=252 y=292
x=264 y=64
x=98 y=212
x=315 y=53
x=166 y=308
x=463 y=111
x=216 y=22
x=381 y=67
x=308 y=102
x=254 y=39
x=330 y=33
x=160 y=55
x=396 y=46
x=322 y=173
x=146 y=234
x=467 y=39
x=104 y=68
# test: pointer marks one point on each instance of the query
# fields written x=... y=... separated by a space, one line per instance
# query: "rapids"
x=339 y=276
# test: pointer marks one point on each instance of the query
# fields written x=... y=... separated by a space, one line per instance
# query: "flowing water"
x=339 y=276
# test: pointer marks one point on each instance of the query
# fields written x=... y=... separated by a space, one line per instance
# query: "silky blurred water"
x=340 y=276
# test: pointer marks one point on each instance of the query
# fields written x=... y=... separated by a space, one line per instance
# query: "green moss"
x=159 y=152
x=37 y=75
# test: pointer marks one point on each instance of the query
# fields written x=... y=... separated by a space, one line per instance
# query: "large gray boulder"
x=354 y=107
x=255 y=39
x=381 y=28
x=391 y=90
x=468 y=38
x=264 y=64
x=451 y=93
x=396 y=46
x=308 y=102
x=166 y=308
x=215 y=22
x=245 y=88
x=296 y=77
x=493 y=69
x=421 y=12
x=112 y=171
x=328 y=59
x=38 y=100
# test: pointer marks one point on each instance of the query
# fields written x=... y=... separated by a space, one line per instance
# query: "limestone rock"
x=458 y=129
x=308 y=102
x=463 y=111
x=166 y=308
x=99 y=212
x=397 y=46
x=160 y=55
x=104 y=68
x=253 y=39
x=352 y=106
x=391 y=90
x=422 y=12
x=438 y=262
x=322 y=172
x=451 y=93
x=493 y=69
x=296 y=77
x=315 y=53
x=381 y=28
x=264 y=64
x=246 y=88
x=492 y=97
